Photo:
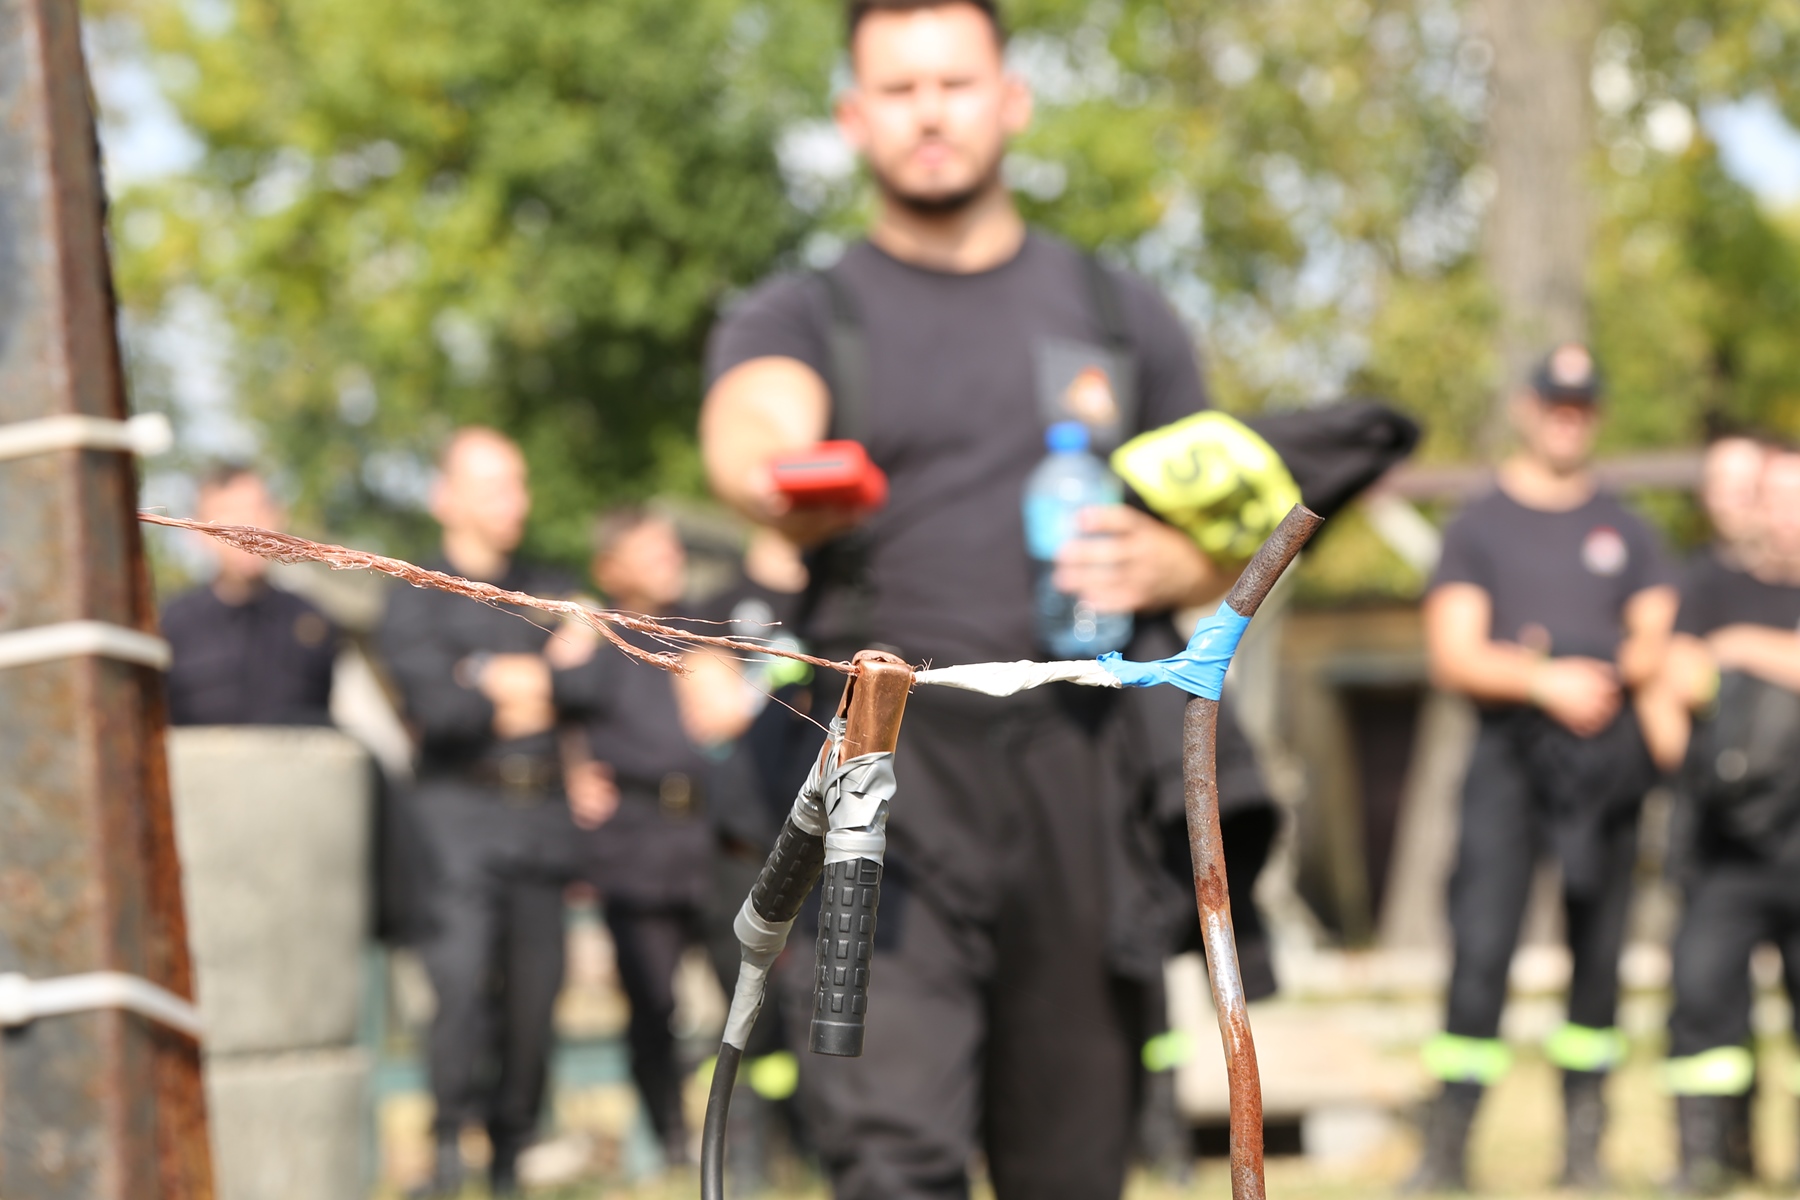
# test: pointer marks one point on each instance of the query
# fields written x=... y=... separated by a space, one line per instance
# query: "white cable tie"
x=24 y=1000
x=1008 y=678
x=73 y=639
x=145 y=435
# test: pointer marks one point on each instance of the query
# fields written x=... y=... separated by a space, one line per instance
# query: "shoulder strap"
x=837 y=609
x=849 y=380
x=1115 y=330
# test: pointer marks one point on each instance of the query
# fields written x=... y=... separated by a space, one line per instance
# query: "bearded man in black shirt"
x=1001 y=1015
x=1552 y=603
x=1733 y=670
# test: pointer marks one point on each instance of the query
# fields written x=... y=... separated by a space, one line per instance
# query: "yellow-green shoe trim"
x=1455 y=1059
x=1584 y=1048
x=1168 y=1050
x=774 y=1076
x=1724 y=1071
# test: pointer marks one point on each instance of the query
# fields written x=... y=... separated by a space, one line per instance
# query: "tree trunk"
x=1540 y=131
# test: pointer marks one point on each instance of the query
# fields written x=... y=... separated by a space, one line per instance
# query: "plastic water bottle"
x=1067 y=481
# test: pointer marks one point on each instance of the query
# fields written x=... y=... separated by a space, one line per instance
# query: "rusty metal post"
x=102 y=1104
x=1201 y=778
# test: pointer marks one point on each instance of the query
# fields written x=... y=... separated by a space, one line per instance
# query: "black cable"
x=781 y=888
x=712 y=1134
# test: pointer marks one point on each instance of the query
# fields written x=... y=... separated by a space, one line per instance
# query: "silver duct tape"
x=842 y=845
x=746 y=1004
x=761 y=941
x=857 y=795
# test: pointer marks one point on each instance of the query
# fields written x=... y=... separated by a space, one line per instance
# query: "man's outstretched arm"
x=757 y=412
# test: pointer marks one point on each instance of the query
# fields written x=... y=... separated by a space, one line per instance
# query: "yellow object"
x=1722 y=1071
x=1212 y=477
x=775 y=1076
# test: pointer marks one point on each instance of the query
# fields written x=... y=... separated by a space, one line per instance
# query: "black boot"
x=1701 y=1123
x=1740 y=1143
x=446 y=1172
x=1584 y=1120
x=503 y=1168
x=1444 y=1167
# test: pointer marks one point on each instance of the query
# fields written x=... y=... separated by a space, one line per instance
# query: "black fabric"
x=267 y=661
x=956 y=417
x=494 y=954
x=1335 y=451
x=649 y=945
x=1740 y=782
x=1559 y=581
x=633 y=721
x=994 y=1021
x=1742 y=774
x=425 y=634
x=1714 y=594
x=498 y=860
x=652 y=852
x=1728 y=913
x=1507 y=826
x=1583 y=785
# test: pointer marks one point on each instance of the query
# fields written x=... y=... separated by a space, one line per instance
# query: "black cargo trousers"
x=1532 y=791
x=493 y=948
x=996 y=1020
x=1730 y=909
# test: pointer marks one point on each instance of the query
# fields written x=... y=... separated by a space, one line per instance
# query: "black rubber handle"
x=789 y=874
x=846 y=949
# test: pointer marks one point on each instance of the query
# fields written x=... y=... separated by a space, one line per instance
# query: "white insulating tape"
x=1008 y=678
x=144 y=435
x=72 y=639
x=23 y=1000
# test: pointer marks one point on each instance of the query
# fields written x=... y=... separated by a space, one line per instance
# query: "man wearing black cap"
x=1552 y=603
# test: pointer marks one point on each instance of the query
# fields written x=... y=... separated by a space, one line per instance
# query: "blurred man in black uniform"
x=1008 y=973
x=1551 y=605
x=245 y=652
x=484 y=699
x=650 y=858
x=1734 y=671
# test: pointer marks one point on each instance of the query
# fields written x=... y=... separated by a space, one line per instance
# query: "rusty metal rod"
x=103 y=1104
x=1201 y=779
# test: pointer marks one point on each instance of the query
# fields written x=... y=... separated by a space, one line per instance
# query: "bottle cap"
x=1067 y=437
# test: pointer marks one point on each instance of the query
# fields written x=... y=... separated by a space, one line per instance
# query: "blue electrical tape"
x=1199 y=669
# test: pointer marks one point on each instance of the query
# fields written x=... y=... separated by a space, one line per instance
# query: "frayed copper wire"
x=286 y=548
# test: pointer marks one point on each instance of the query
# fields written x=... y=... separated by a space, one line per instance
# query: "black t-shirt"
x=1559 y=581
x=1715 y=594
x=264 y=662
x=962 y=372
x=425 y=637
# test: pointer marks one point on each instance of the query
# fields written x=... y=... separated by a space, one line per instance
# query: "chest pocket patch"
x=1079 y=381
x=1604 y=551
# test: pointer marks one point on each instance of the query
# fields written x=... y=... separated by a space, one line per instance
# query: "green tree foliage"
x=423 y=212
x=414 y=213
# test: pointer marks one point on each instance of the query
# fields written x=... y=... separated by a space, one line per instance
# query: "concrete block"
x=273 y=826
x=290 y=1126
